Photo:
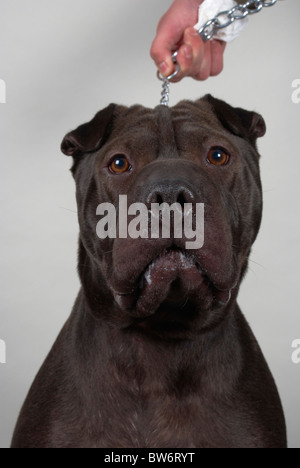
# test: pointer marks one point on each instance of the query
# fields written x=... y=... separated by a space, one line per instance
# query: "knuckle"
x=154 y=52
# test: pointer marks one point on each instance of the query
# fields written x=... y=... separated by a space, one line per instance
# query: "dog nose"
x=170 y=181
x=171 y=192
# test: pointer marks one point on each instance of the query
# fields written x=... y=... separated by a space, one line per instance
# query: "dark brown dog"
x=156 y=352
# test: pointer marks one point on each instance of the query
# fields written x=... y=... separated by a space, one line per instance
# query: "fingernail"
x=163 y=67
x=188 y=52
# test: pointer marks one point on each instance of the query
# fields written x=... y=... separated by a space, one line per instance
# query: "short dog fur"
x=171 y=362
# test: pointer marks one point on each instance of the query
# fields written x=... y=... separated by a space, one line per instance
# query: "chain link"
x=165 y=95
x=226 y=18
x=222 y=20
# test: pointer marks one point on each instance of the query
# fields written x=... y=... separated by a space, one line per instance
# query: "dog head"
x=199 y=158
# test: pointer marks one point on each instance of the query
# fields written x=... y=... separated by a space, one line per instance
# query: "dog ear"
x=90 y=136
x=248 y=125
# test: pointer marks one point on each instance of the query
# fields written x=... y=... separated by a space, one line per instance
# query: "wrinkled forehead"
x=166 y=123
x=167 y=130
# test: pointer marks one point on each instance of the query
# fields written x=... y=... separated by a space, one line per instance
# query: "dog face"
x=195 y=154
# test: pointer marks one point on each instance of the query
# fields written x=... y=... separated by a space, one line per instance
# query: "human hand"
x=196 y=58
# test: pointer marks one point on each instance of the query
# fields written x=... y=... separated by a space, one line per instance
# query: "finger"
x=164 y=45
x=192 y=37
x=185 y=61
x=201 y=62
x=204 y=70
x=190 y=54
x=207 y=57
x=162 y=57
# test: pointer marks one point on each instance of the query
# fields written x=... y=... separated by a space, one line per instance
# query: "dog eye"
x=119 y=164
x=218 y=157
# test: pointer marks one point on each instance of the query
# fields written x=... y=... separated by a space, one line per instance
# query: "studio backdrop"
x=61 y=61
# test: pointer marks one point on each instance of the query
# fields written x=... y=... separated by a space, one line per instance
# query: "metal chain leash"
x=227 y=17
x=207 y=32
x=165 y=95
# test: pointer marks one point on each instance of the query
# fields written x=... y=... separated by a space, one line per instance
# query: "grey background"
x=62 y=61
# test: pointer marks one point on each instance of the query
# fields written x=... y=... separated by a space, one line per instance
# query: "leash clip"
x=166 y=82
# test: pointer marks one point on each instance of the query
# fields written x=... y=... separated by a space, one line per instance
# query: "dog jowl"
x=156 y=352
